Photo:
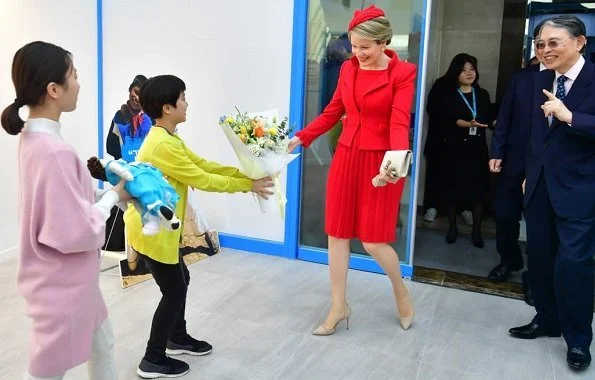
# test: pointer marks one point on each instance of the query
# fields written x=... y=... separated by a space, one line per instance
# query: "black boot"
x=477 y=239
x=451 y=236
x=476 y=233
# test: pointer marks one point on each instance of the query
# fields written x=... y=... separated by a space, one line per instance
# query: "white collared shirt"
x=571 y=74
x=542 y=67
x=43 y=125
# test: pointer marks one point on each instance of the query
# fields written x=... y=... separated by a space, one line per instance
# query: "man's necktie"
x=561 y=90
x=560 y=93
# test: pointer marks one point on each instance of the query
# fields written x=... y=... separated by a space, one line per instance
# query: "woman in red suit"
x=375 y=92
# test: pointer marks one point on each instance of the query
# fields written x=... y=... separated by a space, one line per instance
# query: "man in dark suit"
x=509 y=149
x=560 y=191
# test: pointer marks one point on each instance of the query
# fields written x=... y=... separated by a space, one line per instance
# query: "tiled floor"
x=258 y=312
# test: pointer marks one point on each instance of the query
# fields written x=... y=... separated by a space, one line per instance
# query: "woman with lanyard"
x=464 y=111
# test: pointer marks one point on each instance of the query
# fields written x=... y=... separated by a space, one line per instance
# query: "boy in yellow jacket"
x=163 y=99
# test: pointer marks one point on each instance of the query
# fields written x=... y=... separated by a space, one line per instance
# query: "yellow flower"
x=228 y=120
x=273 y=131
x=243 y=130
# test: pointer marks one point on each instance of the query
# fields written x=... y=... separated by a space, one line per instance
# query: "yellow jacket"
x=182 y=168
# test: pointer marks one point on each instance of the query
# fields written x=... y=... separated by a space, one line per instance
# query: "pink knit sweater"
x=61 y=232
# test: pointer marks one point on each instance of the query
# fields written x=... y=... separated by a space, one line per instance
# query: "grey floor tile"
x=324 y=358
x=432 y=372
x=458 y=346
x=483 y=310
x=377 y=366
x=274 y=306
x=261 y=352
x=469 y=348
x=517 y=359
x=209 y=290
x=309 y=277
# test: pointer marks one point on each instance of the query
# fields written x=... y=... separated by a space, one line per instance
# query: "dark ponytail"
x=34 y=67
x=11 y=121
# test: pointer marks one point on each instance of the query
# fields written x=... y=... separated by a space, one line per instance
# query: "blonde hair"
x=377 y=29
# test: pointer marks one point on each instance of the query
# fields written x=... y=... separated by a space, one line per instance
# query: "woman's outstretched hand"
x=293 y=143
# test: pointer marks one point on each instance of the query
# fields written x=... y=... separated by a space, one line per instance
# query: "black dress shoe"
x=578 y=358
x=533 y=330
x=502 y=272
x=528 y=295
x=451 y=236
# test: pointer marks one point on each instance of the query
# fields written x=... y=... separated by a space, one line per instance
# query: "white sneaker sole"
x=156 y=375
x=187 y=352
x=467 y=218
x=430 y=215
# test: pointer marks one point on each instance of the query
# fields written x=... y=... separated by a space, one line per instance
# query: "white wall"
x=463 y=26
x=229 y=53
x=70 y=24
x=474 y=27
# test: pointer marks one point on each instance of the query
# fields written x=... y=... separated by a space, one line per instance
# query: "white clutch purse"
x=396 y=164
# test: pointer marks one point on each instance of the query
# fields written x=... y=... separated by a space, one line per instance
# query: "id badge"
x=472 y=131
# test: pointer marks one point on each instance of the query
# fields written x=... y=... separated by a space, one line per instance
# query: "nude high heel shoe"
x=323 y=331
x=407 y=321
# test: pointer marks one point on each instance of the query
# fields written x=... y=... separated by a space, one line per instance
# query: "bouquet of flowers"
x=260 y=142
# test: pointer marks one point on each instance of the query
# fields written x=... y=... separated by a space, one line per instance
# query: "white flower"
x=255 y=149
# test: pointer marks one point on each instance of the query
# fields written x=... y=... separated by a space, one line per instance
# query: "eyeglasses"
x=553 y=44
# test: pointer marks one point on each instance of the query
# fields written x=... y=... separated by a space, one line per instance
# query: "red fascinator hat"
x=364 y=15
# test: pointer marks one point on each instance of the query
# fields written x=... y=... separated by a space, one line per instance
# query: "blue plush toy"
x=152 y=195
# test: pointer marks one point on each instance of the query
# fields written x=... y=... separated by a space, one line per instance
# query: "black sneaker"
x=188 y=345
x=169 y=368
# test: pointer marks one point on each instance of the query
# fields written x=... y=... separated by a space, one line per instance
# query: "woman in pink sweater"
x=61 y=223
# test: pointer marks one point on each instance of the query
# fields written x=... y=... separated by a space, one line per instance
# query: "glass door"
x=327 y=48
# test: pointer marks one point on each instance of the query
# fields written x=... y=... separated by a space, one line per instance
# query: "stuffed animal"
x=152 y=195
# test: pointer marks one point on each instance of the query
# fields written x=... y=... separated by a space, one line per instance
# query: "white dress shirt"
x=42 y=125
x=571 y=74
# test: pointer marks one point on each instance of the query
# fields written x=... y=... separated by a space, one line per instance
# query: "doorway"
x=499 y=33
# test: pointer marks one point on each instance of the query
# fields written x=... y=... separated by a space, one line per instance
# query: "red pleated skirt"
x=354 y=207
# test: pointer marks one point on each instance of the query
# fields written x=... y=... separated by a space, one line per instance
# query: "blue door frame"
x=290 y=247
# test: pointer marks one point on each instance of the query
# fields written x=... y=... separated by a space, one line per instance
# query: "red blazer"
x=385 y=112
